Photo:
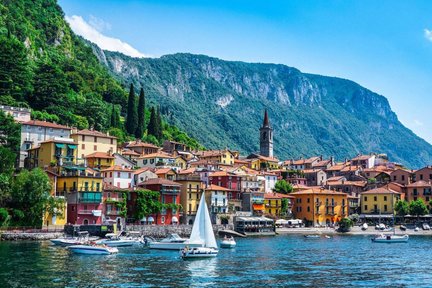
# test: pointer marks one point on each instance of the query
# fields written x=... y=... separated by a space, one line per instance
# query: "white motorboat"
x=80 y=239
x=364 y=226
x=228 y=242
x=312 y=236
x=93 y=249
x=114 y=240
x=202 y=232
x=173 y=242
x=390 y=238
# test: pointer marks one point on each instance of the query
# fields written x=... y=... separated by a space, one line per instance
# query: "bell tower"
x=266 y=138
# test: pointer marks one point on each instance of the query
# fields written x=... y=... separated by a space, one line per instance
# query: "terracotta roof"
x=211 y=153
x=88 y=132
x=109 y=187
x=336 y=178
x=221 y=174
x=157 y=155
x=424 y=168
x=336 y=167
x=45 y=124
x=141 y=144
x=274 y=195
x=347 y=183
x=241 y=161
x=213 y=187
x=361 y=157
x=117 y=168
x=310 y=171
x=187 y=171
x=321 y=163
x=159 y=181
x=318 y=191
x=419 y=183
x=59 y=140
x=351 y=168
x=401 y=170
x=163 y=170
x=100 y=155
x=381 y=190
x=142 y=170
x=130 y=152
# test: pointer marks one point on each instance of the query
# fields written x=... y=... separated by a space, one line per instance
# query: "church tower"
x=266 y=138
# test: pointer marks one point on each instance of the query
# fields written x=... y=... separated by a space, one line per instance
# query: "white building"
x=270 y=180
x=218 y=198
x=19 y=114
x=156 y=160
x=118 y=176
x=35 y=131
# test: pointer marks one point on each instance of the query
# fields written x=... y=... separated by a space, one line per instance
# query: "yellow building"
x=53 y=152
x=259 y=162
x=190 y=194
x=220 y=156
x=181 y=163
x=55 y=220
x=379 y=201
x=93 y=141
x=100 y=160
x=320 y=206
x=273 y=203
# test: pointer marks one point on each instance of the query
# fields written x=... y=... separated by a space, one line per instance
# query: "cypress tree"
x=152 y=126
x=141 y=115
x=115 y=117
x=159 y=125
x=132 y=118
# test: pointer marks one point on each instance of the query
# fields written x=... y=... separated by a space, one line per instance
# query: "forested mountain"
x=45 y=66
x=221 y=103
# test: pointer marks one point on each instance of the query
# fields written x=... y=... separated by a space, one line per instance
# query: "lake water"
x=285 y=260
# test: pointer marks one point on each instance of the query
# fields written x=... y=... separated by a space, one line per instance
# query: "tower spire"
x=266 y=120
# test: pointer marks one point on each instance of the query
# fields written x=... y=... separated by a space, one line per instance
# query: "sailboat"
x=202 y=232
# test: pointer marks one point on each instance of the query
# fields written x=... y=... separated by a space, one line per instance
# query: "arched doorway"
x=85 y=222
x=190 y=221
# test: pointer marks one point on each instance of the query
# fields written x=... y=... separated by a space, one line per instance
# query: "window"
x=95 y=147
x=82 y=146
x=403 y=177
x=145 y=162
x=95 y=139
x=73 y=208
x=118 y=174
x=112 y=141
x=394 y=178
x=190 y=196
x=308 y=209
x=190 y=208
x=375 y=198
x=385 y=207
x=110 y=174
x=163 y=219
x=385 y=198
x=365 y=207
x=308 y=201
x=421 y=176
x=129 y=175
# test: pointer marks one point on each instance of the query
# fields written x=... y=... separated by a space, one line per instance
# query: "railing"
x=112 y=212
x=81 y=189
x=89 y=197
x=30 y=229
x=87 y=212
x=169 y=191
x=331 y=204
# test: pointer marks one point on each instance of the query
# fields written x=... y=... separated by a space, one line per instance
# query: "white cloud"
x=99 y=24
x=428 y=34
x=91 y=33
x=418 y=122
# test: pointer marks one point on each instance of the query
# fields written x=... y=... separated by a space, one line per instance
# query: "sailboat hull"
x=173 y=246
x=201 y=252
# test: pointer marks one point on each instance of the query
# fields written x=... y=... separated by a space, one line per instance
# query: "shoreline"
x=354 y=231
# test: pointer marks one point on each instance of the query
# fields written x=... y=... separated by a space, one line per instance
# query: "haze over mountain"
x=221 y=103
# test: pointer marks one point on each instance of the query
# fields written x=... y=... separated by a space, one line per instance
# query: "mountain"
x=221 y=103
x=45 y=66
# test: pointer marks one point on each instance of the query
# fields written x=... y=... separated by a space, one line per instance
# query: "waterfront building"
x=114 y=205
x=273 y=204
x=83 y=190
x=100 y=160
x=217 y=200
x=90 y=141
x=379 y=203
x=169 y=194
x=419 y=190
x=118 y=176
x=54 y=219
x=190 y=195
x=341 y=184
x=320 y=206
x=35 y=132
x=232 y=183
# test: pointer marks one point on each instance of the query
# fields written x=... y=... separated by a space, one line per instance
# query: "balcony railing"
x=113 y=213
x=169 y=191
x=86 y=212
x=88 y=197
x=331 y=204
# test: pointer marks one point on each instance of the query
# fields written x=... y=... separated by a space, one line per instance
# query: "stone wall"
x=9 y=236
x=158 y=231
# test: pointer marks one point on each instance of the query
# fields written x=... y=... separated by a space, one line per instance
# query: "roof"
x=141 y=144
x=109 y=187
x=336 y=178
x=263 y=158
x=351 y=168
x=221 y=174
x=321 y=163
x=213 y=187
x=266 y=120
x=159 y=181
x=337 y=167
x=274 y=195
x=163 y=171
x=100 y=155
x=117 y=168
x=310 y=171
x=95 y=133
x=346 y=183
x=59 y=140
x=420 y=183
x=187 y=171
x=211 y=153
x=157 y=155
x=317 y=191
x=381 y=190
x=130 y=152
x=361 y=157
x=45 y=124
x=142 y=170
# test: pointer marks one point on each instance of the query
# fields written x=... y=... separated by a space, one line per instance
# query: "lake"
x=284 y=260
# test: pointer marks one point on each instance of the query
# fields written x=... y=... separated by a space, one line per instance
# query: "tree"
x=153 y=124
x=132 y=118
x=141 y=115
x=284 y=206
x=282 y=186
x=115 y=117
x=31 y=195
x=417 y=208
x=345 y=225
x=147 y=203
x=159 y=130
x=401 y=208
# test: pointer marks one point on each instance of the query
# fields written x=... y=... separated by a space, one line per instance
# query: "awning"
x=59 y=145
x=258 y=207
x=174 y=219
x=150 y=219
x=72 y=146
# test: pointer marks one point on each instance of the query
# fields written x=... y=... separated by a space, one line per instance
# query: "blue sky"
x=385 y=46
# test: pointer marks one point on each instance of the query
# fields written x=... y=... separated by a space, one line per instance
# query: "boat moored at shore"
x=390 y=238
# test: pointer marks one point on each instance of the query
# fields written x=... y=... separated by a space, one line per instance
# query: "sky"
x=385 y=46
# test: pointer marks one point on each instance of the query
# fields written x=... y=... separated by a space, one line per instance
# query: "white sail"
x=202 y=230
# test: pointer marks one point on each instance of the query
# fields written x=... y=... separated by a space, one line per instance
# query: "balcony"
x=169 y=191
x=331 y=204
x=89 y=197
x=113 y=213
x=318 y=203
x=85 y=212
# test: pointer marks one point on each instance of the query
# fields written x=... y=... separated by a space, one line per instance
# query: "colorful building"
x=90 y=141
x=216 y=198
x=159 y=159
x=53 y=152
x=55 y=219
x=190 y=194
x=259 y=162
x=117 y=176
x=142 y=148
x=232 y=183
x=320 y=206
x=379 y=202
x=273 y=204
x=219 y=156
x=419 y=190
x=100 y=160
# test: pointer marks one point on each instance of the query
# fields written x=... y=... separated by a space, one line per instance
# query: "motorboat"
x=81 y=238
x=202 y=232
x=403 y=227
x=115 y=240
x=228 y=242
x=425 y=226
x=93 y=249
x=173 y=242
x=312 y=236
x=327 y=237
x=382 y=238
x=364 y=226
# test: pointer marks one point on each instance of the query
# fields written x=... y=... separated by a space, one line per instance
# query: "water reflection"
x=202 y=272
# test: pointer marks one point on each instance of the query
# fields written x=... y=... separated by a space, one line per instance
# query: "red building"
x=169 y=193
x=232 y=182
